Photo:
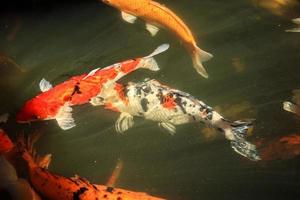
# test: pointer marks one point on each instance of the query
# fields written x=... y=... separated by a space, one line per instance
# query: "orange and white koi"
x=170 y=107
x=55 y=102
x=155 y=15
x=56 y=187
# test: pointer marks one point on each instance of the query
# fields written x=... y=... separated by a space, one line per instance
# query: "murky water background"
x=254 y=69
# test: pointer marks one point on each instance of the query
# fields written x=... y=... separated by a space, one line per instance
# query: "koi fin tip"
x=152 y=29
x=160 y=49
x=200 y=56
x=168 y=126
x=294 y=30
x=128 y=17
x=45 y=85
x=288 y=106
x=124 y=122
x=64 y=118
x=296 y=21
x=4 y=117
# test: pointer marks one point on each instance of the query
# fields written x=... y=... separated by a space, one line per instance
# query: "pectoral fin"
x=45 y=85
x=128 y=17
x=152 y=29
x=168 y=126
x=64 y=118
x=124 y=122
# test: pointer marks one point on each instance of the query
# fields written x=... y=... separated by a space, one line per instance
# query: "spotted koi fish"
x=56 y=187
x=56 y=102
x=170 y=107
x=156 y=15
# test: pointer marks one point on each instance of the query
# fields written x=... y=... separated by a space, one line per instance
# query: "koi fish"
x=56 y=187
x=155 y=15
x=170 y=107
x=280 y=148
x=56 y=102
x=18 y=188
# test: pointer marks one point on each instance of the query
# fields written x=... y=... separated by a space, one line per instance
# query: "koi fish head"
x=5 y=143
x=33 y=110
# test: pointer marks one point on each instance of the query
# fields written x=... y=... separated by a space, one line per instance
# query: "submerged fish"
x=18 y=188
x=56 y=187
x=55 y=102
x=280 y=148
x=155 y=15
x=169 y=107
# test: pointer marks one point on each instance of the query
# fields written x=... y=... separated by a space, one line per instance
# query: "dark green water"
x=254 y=69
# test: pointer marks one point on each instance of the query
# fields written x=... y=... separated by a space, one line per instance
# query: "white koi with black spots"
x=169 y=107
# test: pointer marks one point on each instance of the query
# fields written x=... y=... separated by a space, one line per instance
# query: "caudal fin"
x=26 y=146
x=199 y=56
x=237 y=134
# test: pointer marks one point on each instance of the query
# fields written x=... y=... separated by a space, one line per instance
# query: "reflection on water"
x=255 y=66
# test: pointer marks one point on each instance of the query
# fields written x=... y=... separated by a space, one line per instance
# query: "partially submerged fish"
x=280 y=148
x=18 y=188
x=56 y=187
x=55 y=102
x=170 y=107
x=155 y=15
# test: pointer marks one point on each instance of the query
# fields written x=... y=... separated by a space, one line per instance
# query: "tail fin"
x=237 y=134
x=198 y=57
x=290 y=107
x=148 y=62
x=26 y=145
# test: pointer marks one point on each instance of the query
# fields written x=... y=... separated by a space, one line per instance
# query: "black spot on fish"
x=110 y=189
x=76 y=195
x=144 y=104
x=146 y=89
x=219 y=129
x=105 y=196
x=178 y=101
x=119 y=198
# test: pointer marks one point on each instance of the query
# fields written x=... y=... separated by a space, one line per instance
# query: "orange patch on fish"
x=169 y=102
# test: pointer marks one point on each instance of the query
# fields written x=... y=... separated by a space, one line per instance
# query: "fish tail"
x=236 y=133
x=199 y=56
x=26 y=146
x=149 y=63
x=290 y=107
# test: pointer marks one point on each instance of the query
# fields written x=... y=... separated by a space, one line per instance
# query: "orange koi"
x=56 y=102
x=281 y=148
x=155 y=15
x=56 y=187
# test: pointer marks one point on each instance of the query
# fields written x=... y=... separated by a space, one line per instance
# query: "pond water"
x=254 y=69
